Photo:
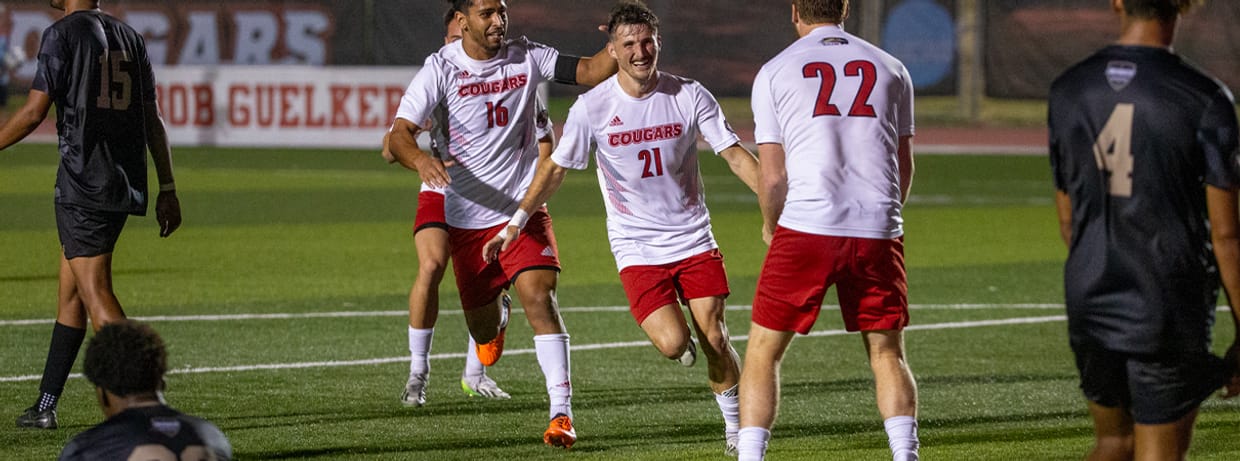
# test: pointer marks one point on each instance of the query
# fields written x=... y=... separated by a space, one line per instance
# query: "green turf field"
x=321 y=232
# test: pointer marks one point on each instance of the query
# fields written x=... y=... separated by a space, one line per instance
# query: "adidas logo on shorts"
x=548 y=252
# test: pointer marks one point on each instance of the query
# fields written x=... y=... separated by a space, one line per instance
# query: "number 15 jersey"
x=646 y=150
x=839 y=106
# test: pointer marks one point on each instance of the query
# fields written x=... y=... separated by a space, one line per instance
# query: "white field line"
x=312 y=315
x=510 y=352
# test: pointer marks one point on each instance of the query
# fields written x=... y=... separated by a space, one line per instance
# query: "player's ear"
x=611 y=50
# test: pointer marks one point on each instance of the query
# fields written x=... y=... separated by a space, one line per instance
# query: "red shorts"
x=430 y=211
x=652 y=287
x=868 y=274
x=480 y=283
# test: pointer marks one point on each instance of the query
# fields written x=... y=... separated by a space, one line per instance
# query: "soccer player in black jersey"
x=95 y=69
x=126 y=361
x=1144 y=152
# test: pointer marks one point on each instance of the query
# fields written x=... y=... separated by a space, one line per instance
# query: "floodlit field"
x=322 y=239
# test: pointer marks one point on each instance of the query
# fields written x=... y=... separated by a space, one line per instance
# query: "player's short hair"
x=822 y=11
x=448 y=17
x=1164 y=10
x=460 y=5
x=126 y=358
x=631 y=12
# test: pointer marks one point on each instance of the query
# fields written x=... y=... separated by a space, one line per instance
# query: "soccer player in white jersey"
x=833 y=120
x=430 y=239
x=643 y=126
x=488 y=85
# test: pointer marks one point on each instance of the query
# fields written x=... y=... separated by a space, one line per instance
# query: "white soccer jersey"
x=438 y=133
x=646 y=152
x=838 y=105
x=491 y=118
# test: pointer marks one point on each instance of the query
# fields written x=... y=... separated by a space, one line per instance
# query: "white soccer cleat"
x=729 y=447
x=483 y=386
x=415 y=391
x=689 y=357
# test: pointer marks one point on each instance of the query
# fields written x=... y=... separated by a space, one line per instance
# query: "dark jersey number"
x=861 y=102
x=115 y=86
x=652 y=158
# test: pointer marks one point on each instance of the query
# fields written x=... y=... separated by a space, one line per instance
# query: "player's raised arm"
x=1225 y=235
x=744 y=165
x=167 y=206
x=594 y=69
x=26 y=119
x=402 y=141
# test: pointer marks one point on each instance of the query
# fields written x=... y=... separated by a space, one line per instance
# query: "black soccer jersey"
x=153 y=433
x=1135 y=135
x=96 y=71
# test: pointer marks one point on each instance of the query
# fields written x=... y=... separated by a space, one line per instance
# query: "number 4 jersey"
x=646 y=151
x=1135 y=135
x=839 y=106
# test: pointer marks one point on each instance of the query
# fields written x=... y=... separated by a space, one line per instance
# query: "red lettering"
x=238 y=113
x=394 y=95
x=288 y=117
x=365 y=95
x=204 y=106
x=311 y=120
x=340 y=117
x=264 y=105
x=178 y=105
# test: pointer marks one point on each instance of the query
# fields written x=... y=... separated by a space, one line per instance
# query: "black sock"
x=60 y=357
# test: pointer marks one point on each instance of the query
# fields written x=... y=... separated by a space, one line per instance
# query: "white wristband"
x=519 y=219
x=168 y=187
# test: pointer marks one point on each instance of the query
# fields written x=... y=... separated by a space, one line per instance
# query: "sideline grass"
x=273 y=231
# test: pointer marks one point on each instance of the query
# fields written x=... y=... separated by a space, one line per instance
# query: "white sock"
x=473 y=366
x=902 y=437
x=419 y=351
x=730 y=406
x=752 y=443
x=552 y=352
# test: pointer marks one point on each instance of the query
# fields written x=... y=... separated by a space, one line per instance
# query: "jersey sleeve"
x=573 y=150
x=1219 y=142
x=49 y=76
x=713 y=124
x=904 y=111
x=766 y=125
x=423 y=93
x=544 y=57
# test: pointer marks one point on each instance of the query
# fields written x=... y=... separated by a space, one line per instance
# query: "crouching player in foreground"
x=126 y=361
x=644 y=127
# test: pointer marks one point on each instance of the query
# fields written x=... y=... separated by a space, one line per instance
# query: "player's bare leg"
x=723 y=364
x=668 y=331
x=431 y=244
x=759 y=389
x=1113 y=433
x=93 y=277
x=895 y=390
x=1169 y=441
x=536 y=290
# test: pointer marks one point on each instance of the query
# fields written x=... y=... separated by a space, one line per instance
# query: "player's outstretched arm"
x=594 y=69
x=547 y=181
x=773 y=188
x=402 y=143
x=744 y=165
x=1222 y=205
x=26 y=119
x=167 y=206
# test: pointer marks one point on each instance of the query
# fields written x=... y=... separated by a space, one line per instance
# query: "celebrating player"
x=645 y=125
x=488 y=85
x=834 y=124
x=94 y=68
x=430 y=238
x=1144 y=152
x=126 y=361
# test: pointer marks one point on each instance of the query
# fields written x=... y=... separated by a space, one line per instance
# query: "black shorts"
x=88 y=232
x=1156 y=389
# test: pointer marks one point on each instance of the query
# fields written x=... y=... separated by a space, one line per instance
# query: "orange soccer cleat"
x=560 y=432
x=490 y=352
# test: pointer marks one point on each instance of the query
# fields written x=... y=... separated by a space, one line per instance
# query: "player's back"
x=838 y=105
x=150 y=433
x=1136 y=134
x=95 y=70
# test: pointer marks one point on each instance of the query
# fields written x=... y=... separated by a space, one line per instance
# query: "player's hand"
x=1232 y=360
x=387 y=155
x=433 y=171
x=499 y=243
x=767 y=234
x=167 y=212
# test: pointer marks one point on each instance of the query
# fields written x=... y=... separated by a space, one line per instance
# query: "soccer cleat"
x=490 y=352
x=729 y=446
x=35 y=419
x=560 y=432
x=484 y=386
x=415 y=391
x=689 y=357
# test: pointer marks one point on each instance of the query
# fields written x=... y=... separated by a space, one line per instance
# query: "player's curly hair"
x=631 y=12
x=1164 y=10
x=126 y=358
x=822 y=11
